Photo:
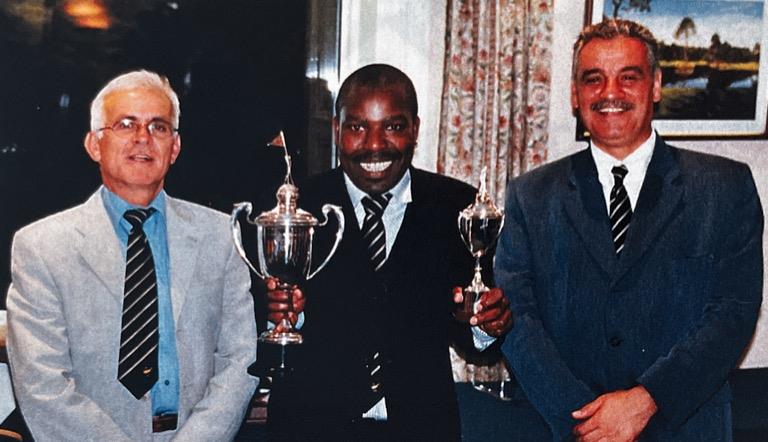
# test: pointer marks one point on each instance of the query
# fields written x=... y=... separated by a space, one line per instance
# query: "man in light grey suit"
x=183 y=364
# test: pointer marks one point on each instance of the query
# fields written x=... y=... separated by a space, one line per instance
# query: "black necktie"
x=373 y=228
x=374 y=235
x=620 y=210
x=374 y=366
x=137 y=366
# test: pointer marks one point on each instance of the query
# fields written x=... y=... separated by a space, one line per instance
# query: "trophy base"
x=281 y=338
x=276 y=361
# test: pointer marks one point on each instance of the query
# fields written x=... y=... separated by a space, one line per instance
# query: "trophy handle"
x=239 y=207
x=340 y=216
x=501 y=225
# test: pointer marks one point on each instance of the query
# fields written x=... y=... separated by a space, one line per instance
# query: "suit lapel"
x=106 y=260
x=183 y=242
x=659 y=198
x=585 y=207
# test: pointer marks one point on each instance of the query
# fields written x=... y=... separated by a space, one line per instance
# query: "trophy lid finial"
x=482 y=194
x=279 y=141
x=483 y=206
x=287 y=210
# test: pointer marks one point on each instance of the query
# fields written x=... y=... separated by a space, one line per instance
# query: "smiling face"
x=376 y=135
x=134 y=167
x=614 y=89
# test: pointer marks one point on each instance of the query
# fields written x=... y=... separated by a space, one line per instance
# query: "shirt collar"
x=117 y=206
x=401 y=192
x=636 y=161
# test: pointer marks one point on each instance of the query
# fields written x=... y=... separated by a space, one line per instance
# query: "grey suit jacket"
x=64 y=313
x=673 y=312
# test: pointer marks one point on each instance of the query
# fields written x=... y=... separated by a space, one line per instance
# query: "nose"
x=376 y=138
x=142 y=134
x=612 y=89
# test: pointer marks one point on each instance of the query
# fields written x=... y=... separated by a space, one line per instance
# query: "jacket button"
x=615 y=341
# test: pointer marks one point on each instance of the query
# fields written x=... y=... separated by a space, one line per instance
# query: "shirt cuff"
x=481 y=339
x=299 y=323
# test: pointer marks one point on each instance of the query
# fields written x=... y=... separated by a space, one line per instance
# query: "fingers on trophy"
x=479 y=224
x=284 y=244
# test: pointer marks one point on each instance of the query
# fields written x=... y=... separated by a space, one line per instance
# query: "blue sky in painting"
x=739 y=22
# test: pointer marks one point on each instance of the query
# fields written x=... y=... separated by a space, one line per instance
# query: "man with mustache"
x=375 y=363
x=130 y=316
x=634 y=268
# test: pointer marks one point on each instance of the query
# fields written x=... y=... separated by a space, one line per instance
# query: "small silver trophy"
x=284 y=236
x=479 y=224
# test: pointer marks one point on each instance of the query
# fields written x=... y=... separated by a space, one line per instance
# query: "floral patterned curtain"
x=495 y=105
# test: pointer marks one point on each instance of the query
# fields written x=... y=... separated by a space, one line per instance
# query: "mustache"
x=380 y=155
x=603 y=104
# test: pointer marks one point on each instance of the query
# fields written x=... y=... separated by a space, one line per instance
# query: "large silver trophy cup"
x=284 y=245
x=479 y=224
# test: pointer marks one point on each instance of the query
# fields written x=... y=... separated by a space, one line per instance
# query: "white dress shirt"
x=636 y=163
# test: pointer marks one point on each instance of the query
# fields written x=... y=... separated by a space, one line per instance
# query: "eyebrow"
x=589 y=72
x=151 y=120
x=636 y=69
x=398 y=117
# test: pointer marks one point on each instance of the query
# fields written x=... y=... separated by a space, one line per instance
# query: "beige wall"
x=409 y=34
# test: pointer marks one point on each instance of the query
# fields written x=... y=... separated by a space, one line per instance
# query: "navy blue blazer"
x=673 y=312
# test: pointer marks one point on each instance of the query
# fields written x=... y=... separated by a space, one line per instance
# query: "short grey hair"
x=612 y=28
x=132 y=80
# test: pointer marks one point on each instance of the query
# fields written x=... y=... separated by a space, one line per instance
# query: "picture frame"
x=715 y=81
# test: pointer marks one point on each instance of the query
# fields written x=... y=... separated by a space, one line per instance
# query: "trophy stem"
x=288 y=336
x=477 y=285
x=472 y=294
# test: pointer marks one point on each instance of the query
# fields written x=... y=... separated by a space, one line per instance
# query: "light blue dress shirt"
x=165 y=393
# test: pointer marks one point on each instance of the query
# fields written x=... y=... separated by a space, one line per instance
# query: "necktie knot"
x=376 y=203
x=619 y=172
x=373 y=229
x=137 y=217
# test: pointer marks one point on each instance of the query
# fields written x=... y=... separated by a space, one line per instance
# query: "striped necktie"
x=373 y=228
x=137 y=367
x=620 y=210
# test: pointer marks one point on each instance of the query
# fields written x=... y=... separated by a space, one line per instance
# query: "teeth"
x=376 y=167
x=612 y=110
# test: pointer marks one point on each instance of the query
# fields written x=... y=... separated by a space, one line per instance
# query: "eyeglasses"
x=128 y=127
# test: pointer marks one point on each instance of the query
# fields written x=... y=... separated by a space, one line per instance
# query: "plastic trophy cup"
x=480 y=224
x=284 y=248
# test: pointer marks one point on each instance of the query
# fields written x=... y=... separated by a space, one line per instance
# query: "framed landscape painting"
x=714 y=77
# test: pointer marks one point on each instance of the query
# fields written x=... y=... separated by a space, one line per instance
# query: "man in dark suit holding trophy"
x=378 y=319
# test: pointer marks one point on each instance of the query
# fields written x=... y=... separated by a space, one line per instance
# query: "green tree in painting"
x=715 y=49
x=640 y=5
x=685 y=29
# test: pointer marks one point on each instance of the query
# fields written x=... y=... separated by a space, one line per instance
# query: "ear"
x=574 y=96
x=657 y=85
x=336 y=126
x=416 y=125
x=91 y=143
x=175 y=148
